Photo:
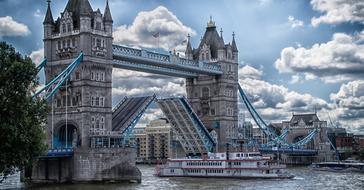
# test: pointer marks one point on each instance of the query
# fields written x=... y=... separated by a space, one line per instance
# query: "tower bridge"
x=85 y=135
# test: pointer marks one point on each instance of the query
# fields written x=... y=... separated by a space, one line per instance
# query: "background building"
x=154 y=141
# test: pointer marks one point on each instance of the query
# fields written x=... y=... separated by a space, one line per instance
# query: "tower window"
x=64 y=28
x=98 y=42
x=98 y=25
x=69 y=29
x=73 y=42
x=68 y=43
x=97 y=101
x=205 y=92
x=59 y=44
x=92 y=76
x=78 y=75
x=92 y=101
x=102 y=76
x=212 y=111
x=102 y=100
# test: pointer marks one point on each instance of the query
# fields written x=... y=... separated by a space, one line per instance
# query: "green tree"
x=22 y=118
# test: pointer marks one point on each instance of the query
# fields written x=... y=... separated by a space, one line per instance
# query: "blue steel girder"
x=41 y=65
x=152 y=69
x=258 y=120
x=203 y=132
x=187 y=125
x=177 y=129
x=53 y=86
x=119 y=104
x=291 y=151
x=142 y=56
x=280 y=140
x=307 y=139
x=127 y=131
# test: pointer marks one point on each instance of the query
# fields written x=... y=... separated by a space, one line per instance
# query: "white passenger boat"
x=226 y=165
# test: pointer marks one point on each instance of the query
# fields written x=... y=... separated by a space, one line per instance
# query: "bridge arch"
x=309 y=145
x=73 y=135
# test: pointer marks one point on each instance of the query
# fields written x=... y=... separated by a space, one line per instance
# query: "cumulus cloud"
x=11 y=28
x=349 y=105
x=37 y=13
x=133 y=83
x=341 y=59
x=338 y=11
x=144 y=84
x=37 y=56
x=250 y=72
x=172 y=32
x=276 y=102
x=294 y=23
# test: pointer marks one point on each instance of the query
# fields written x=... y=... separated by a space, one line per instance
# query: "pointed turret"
x=48 y=19
x=189 y=51
x=233 y=44
x=212 y=39
x=107 y=13
x=221 y=34
x=189 y=47
x=79 y=7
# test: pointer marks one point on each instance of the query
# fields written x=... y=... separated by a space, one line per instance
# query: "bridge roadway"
x=127 y=112
x=192 y=134
x=159 y=63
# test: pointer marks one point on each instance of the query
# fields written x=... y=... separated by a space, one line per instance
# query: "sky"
x=295 y=56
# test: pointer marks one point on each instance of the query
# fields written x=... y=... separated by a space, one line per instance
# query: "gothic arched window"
x=64 y=28
x=205 y=92
x=69 y=27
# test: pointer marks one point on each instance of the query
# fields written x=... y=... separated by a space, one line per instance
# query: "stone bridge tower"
x=85 y=105
x=214 y=98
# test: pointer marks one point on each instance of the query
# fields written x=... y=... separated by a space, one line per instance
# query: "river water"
x=305 y=179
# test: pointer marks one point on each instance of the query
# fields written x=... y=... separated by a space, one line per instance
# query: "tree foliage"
x=22 y=118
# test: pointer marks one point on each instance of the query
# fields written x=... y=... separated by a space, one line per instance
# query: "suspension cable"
x=52 y=124
x=66 y=113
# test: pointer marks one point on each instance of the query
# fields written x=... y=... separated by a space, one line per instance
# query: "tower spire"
x=48 y=19
x=188 y=48
x=107 y=13
x=221 y=32
x=233 y=44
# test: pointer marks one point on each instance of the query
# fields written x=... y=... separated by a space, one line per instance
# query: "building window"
x=98 y=42
x=98 y=25
x=97 y=124
x=97 y=76
x=78 y=98
x=69 y=29
x=73 y=42
x=92 y=76
x=102 y=76
x=58 y=104
x=64 y=44
x=205 y=92
x=92 y=122
x=92 y=101
x=68 y=43
x=97 y=99
x=59 y=45
x=102 y=101
x=64 y=28
x=78 y=75
x=102 y=123
x=212 y=112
